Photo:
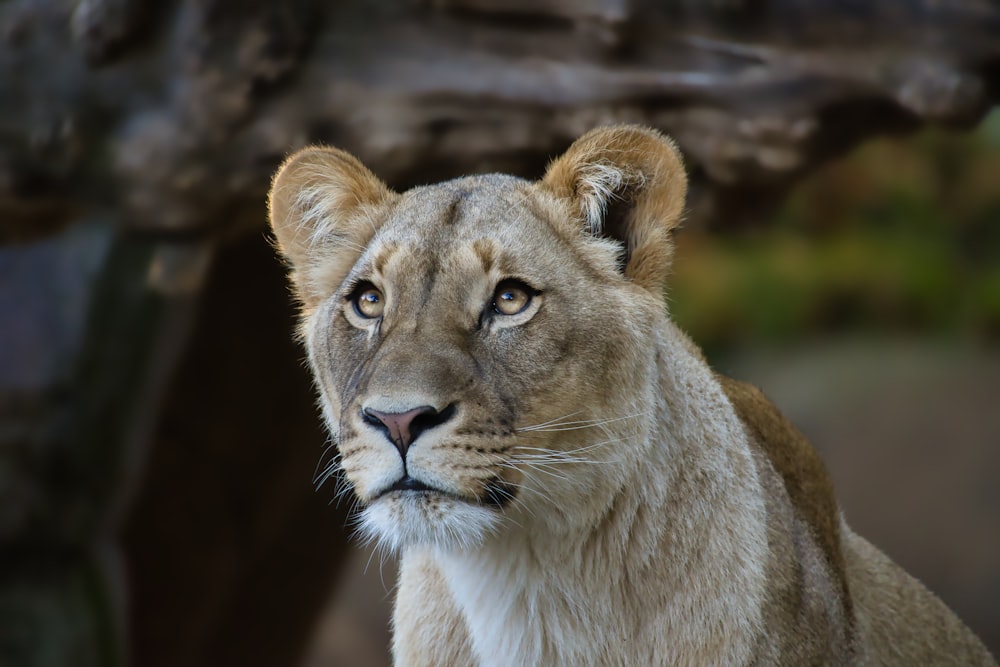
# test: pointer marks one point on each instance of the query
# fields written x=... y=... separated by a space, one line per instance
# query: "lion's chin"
x=404 y=519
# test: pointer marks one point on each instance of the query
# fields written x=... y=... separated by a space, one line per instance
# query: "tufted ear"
x=626 y=183
x=323 y=207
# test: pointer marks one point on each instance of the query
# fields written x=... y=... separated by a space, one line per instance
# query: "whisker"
x=551 y=426
x=383 y=556
x=539 y=469
x=345 y=491
x=557 y=461
x=551 y=421
x=563 y=454
x=371 y=555
x=514 y=498
x=330 y=444
x=331 y=471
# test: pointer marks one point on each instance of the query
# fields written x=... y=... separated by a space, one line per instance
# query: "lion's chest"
x=576 y=610
x=519 y=613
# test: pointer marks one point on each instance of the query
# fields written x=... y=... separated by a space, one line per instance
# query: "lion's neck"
x=685 y=532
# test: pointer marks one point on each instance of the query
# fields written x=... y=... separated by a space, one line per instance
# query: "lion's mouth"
x=497 y=493
x=407 y=483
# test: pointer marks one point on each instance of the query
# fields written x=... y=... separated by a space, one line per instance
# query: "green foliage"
x=901 y=236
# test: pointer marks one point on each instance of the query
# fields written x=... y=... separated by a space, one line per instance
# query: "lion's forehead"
x=484 y=226
x=491 y=206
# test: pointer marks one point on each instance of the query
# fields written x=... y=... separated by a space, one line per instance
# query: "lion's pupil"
x=511 y=301
x=370 y=303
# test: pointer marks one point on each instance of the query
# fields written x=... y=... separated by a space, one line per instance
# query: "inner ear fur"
x=322 y=207
x=626 y=183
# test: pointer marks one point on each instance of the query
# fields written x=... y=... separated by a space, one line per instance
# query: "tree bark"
x=175 y=114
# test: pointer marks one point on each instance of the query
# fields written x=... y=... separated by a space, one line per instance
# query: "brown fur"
x=802 y=472
x=589 y=492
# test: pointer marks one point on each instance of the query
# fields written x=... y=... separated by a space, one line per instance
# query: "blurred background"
x=158 y=430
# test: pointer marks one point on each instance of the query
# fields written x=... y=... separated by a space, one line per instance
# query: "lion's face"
x=484 y=359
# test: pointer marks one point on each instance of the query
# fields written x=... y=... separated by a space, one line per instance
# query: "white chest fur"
x=656 y=583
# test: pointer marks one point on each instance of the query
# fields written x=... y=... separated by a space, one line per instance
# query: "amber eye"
x=368 y=302
x=511 y=297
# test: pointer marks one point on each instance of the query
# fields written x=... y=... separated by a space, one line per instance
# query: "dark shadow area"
x=230 y=550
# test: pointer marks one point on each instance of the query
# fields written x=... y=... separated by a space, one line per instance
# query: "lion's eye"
x=511 y=297
x=368 y=302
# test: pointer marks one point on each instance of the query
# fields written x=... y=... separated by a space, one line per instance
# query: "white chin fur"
x=408 y=519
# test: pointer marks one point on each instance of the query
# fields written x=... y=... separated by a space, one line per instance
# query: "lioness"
x=566 y=479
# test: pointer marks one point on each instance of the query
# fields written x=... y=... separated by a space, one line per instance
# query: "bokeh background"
x=159 y=437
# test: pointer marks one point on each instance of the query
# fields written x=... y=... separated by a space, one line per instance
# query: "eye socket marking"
x=512 y=297
x=368 y=301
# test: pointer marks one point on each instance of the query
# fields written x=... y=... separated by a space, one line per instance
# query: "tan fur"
x=588 y=492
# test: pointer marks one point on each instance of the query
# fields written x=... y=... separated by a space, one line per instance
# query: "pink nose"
x=402 y=428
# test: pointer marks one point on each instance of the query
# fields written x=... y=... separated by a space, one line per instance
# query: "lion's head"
x=484 y=348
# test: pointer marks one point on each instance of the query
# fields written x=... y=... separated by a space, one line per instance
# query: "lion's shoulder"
x=796 y=461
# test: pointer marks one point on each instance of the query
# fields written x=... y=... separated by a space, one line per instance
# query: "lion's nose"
x=402 y=428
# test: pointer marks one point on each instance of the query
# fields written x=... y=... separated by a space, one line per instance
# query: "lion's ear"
x=323 y=208
x=626 y=183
